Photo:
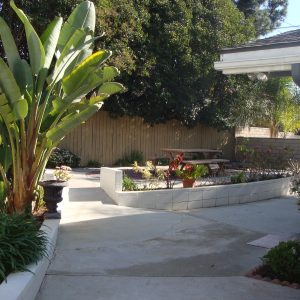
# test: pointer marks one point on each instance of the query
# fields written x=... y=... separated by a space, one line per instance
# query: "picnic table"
x=208 y=157
x=205 y=153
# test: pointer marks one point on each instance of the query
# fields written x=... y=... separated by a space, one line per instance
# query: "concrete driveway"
x=111 y=252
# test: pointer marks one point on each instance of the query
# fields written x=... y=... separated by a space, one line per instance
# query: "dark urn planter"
x=52 y=196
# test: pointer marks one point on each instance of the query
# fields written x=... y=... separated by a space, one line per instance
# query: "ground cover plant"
x=129 y=158
x=60 y=156
x=21 y=243
x=43 y=99
x=283 y=262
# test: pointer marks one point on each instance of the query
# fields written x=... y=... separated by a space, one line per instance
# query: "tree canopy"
x=40 y=13
x=165 y=51
x=267 y=15
x=273 y=103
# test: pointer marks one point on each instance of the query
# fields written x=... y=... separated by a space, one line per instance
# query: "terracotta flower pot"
x=52 y=196
x=188 y=183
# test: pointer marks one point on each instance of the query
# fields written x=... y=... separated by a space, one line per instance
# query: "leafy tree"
x=165 y=51
x=273 y=103
x=266 y=14
x=39 y=12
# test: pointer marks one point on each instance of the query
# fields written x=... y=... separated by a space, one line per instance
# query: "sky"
x=292 y=18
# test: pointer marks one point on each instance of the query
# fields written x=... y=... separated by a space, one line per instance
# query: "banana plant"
x=43 y=99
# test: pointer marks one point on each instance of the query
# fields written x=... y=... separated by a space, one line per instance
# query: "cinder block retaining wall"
x=289 y=148
x=191 y=198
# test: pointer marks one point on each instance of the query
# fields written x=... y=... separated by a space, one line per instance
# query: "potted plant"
x=189 y=173
x=53 y=191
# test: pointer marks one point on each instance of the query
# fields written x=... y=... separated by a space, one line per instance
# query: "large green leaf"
x=23 y=76
x=5 y=157
x=84 y=53
x=49 y=39
x=85 y=69
x=111 y=88
x=82 y=17
x=5 y=110
x=71 y=50
x=2 y=195
x=12 y=114
x=65 y=126
x=35 y=47
x=11 y=50
x=13 y=96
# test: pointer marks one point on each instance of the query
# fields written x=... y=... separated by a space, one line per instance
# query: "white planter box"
x=191 y=198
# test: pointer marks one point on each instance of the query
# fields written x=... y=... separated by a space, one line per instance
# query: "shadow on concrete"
x=89 y=194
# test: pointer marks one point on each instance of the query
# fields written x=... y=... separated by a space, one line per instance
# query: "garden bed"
x=191 y=198
x=262 y=273
x=25 y=285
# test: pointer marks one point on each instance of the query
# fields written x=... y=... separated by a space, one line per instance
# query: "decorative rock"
x=286 y=283
x=295 y=285
x=268 y=279
x=276 y=280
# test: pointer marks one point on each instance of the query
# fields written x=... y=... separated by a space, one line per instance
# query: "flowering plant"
x=62 y=173
x=192 y=171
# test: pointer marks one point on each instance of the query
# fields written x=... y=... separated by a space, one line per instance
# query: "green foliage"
x=150 y=173
x=93 y=164
x=21 y=243
x=284 y=261
x=60 y=156
x=266 y=14
x=44 y=97
x=129 y=184
x=273 y=103
x=128 y=159
x=192 y=171
x=165 y=51
x=40 y=13
x=239 y=178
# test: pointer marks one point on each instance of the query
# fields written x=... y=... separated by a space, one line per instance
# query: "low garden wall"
x=191 y=198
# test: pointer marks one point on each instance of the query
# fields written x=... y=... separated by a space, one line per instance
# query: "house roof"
x=278 y=55
x=282 y=40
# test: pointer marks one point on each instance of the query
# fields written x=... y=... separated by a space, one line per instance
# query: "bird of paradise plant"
x=43 y=99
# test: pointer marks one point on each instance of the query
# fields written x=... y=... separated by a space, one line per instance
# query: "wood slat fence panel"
x=105 y=139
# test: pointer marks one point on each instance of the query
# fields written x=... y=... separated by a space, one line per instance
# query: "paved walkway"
x=108 y=252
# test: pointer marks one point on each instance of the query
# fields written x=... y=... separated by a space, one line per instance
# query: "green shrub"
x=129 y=184
x=239 y=178
x=128 y=159
x=284 y=261
x=21 y=243
x=93 y=164
x=60 y=156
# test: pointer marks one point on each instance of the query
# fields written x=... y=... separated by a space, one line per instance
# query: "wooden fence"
x=105 y=139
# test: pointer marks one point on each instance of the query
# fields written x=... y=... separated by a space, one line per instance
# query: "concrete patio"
x=112 y=252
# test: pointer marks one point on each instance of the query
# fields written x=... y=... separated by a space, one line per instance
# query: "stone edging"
x=25 y=285
x=256 y=274
x=191 y=198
